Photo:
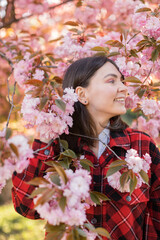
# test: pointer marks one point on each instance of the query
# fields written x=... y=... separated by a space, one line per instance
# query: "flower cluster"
x=54 y=118
x=75 y=191
x=133 y=168
x=14 y=154
x=152 y=126
x=22 y=70
x=34 y=7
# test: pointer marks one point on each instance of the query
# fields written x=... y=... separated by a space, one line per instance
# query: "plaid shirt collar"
x=117 y=139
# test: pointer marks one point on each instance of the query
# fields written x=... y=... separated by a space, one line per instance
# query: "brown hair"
x=79 y=73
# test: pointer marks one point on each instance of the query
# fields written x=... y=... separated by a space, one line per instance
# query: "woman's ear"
x=82 y=96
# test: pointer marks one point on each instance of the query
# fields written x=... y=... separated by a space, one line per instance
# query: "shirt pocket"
x=140 y=195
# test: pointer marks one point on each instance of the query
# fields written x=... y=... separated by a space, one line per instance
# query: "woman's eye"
x=111 y=81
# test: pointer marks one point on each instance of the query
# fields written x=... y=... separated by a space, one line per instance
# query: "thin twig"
x=11 y=102
x=133 y=36
x=7 y=59
x=31 y=15
x=39 y=66
x=147 y=75
x=5 y=45
x=11 y=64
x=36 y=151
x=96 y=139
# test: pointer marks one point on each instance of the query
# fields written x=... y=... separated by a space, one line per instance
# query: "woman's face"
x=106 y=93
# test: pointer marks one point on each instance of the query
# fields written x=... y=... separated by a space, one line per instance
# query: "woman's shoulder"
x=138 y=133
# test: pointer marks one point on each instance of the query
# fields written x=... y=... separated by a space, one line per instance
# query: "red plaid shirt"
x=126 y=218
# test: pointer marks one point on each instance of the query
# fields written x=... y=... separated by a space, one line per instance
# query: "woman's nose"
x=122 y=88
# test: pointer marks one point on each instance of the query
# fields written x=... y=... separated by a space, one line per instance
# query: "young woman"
x=101 y=94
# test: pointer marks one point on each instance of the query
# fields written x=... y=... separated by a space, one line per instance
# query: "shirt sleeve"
x=21 y=190
x=152 y=220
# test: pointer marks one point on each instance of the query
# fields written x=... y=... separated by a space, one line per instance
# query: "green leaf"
x=115 y=43
x=113 y=54
x=103 y=232
x=89 y=226
x=76 y=235
x=14 y=149
x=124 y=179
x=101 y=49
x=8 y=133
x=132 y=79
x=94 y=198
x=81 y=232
x=85 y=166
x=34 y=82
x=117 y=163
x=55 y=229
x=154 y=55
x=140 y=92
x=68 y=153
x=60 y=104
x=113 y=170
x=61 y=172
x=37 y=181
x=50 y=169
x=43 y=102
x=79 y=3
x=54 y=236
x=87 y=162
x=133 y=183
x=55 y=232
x=142 y=42
x=55 y=179
x=70 y=236
x=73 y=30
x=62 y=203
x=101 y=196
x=156 y=84
x=144 y=176
x=58 y=79
x=71 y=23
x=37 y=191
x=145 y=9
x=65 y=163
x=64 y=144
x=155 y=90
x=46 y=196
x=133 y=53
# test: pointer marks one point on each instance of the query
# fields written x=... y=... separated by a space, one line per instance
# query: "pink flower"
x=87 y=15
x=21 y=71
x=147 y=162
x=70 y=95
x=149 y=106
x=39 y=74
x=152 y=27
x=134 y=162
x=151 y=126
x=131 y=101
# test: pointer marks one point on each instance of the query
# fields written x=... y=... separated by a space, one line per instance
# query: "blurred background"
x=39 y=24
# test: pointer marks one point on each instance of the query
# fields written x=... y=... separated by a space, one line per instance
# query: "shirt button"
x=47 y=152
x=96 y=165
x=128 y=198
x=106 y=154
x=93 y=220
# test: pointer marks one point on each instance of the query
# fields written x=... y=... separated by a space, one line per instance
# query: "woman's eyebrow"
x=112 y=75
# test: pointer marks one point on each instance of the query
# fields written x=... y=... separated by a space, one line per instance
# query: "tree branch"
x=5 y=25
x=7 y=59
x=96 y=139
